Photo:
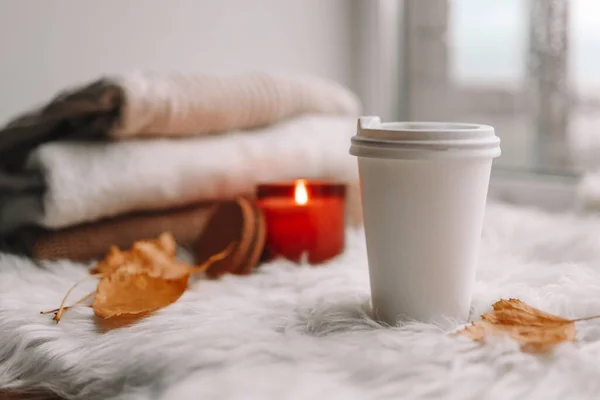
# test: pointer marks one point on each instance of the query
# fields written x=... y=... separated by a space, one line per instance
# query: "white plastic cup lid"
x=413 y=140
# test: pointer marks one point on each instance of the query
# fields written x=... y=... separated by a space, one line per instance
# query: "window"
x=531 y=68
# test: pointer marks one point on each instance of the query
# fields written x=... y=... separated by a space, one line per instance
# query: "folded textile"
x=92 y=241
x=179 y=105
x=89 y=181
x=170 y=105
x=142 y=105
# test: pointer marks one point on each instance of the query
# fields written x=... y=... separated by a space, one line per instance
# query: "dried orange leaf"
x=111 y=262
x=536 y=331
x=140 y=280
x=130 y=291
x=146 y=254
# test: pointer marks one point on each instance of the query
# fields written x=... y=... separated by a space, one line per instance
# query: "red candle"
x=303 y=218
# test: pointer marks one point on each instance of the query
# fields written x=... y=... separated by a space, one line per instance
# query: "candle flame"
x=300 y=192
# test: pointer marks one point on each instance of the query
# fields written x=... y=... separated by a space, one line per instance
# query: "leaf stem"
x=213 y=259
x=585 y=318
x=61 y=310
x=81 y=300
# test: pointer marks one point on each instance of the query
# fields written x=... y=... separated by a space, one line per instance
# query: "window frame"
x=414 y=44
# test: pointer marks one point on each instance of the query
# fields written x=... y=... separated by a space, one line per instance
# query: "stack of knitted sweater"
x=125 y=158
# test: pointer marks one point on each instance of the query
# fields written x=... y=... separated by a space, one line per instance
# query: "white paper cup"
x=424 y=187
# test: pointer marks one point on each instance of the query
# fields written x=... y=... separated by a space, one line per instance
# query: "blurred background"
x=528 y=67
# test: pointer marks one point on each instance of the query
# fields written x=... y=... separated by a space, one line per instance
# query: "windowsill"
x=547 y=191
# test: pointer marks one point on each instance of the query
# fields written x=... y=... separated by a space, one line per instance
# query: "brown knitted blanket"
x=93 y=240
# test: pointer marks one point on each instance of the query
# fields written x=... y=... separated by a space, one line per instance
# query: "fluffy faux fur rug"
x=291 y=332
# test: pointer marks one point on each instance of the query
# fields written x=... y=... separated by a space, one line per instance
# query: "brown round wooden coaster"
x=237 y=222
x=260 y=235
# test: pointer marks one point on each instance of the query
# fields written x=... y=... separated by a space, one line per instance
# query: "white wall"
x=47 y=45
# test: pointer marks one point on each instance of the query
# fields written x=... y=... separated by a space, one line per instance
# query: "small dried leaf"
x=131 y=291
x=146 y=254
x=536 y=331
x=111 y=262
x=140 y=280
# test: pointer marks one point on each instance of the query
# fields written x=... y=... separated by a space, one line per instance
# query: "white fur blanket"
x=291 y=332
